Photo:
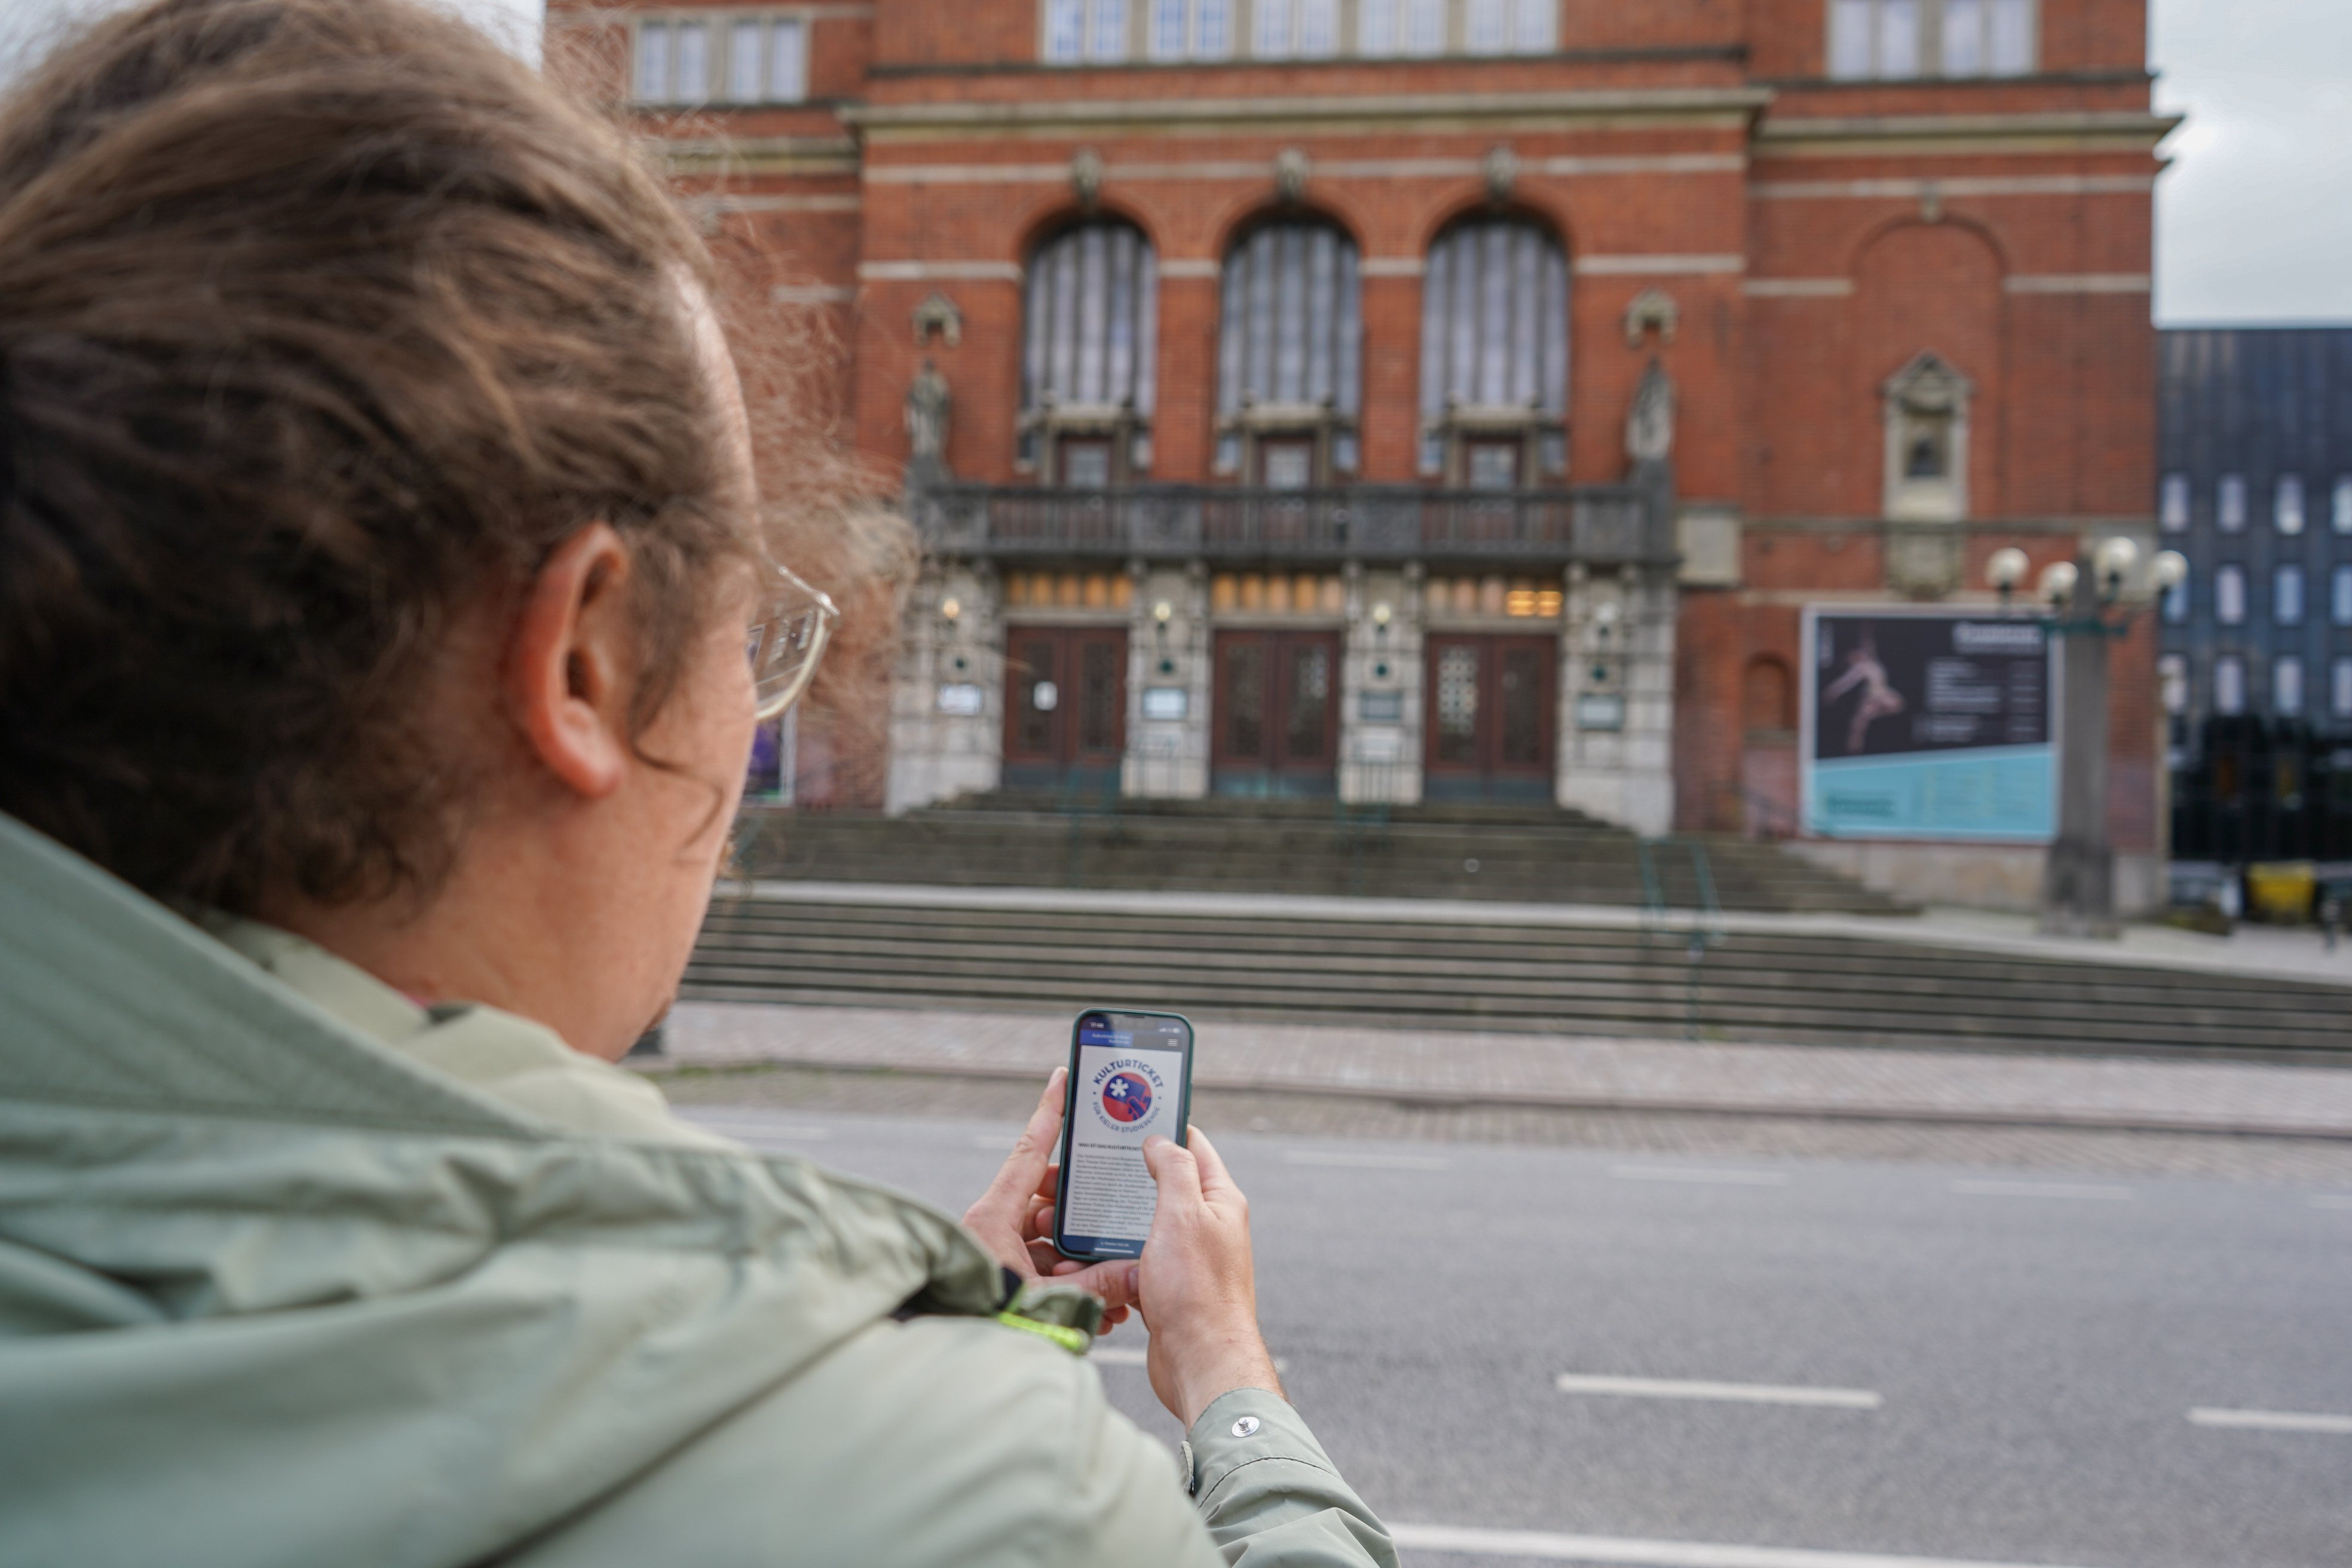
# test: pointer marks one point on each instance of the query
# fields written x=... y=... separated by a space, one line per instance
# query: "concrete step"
x=1457 y=853
x=1769 y=986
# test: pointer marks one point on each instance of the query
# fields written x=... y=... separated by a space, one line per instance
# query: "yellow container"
x=2281 y=890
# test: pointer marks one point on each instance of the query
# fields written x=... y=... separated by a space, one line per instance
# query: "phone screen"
x=1130 y=1077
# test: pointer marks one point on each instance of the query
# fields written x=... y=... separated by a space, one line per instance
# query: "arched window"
x=1494 y=355
x=1088 y=356
x=1289 y=356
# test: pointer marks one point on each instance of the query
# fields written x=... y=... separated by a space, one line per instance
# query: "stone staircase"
x=1023 y=953
x=1522 y=855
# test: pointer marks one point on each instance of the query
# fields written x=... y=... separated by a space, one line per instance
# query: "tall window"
x=2230 y=503
x=1089 y=343
x=1493 y=351
x=2230 y=595
x=1191 y=29
x=1308 y=29
x=735 y=59
x=2176 y=601
x=2341 y=513
x=1896 y=40
x=1507 y=26
x=2286 y=505
x=2286 y=685
x=1078 y=30
x=2339 y=683
x=2340 y=596
x=2172 y=504
x=2286 y=595
x=1290 y=353
x=2172 y=682
x=2228 y=685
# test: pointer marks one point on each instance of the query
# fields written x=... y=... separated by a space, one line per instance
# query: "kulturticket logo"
x=1126 y=1098
x=1127 y=1092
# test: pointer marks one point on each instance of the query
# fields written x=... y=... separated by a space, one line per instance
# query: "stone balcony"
x=1629 y=525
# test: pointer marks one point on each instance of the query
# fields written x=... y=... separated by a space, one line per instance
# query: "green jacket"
x=294 y=1271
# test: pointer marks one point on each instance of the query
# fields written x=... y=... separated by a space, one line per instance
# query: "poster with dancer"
x=1928 y=724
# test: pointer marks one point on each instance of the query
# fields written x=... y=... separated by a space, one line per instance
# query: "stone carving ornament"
x=930 y=406
x=1649 y=421
x=1290 y=171
x=1087 y=175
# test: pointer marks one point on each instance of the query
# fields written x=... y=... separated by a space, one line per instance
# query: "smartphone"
x=1130 y=1077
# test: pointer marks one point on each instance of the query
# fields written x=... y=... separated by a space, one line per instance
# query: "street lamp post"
x=2087 y=606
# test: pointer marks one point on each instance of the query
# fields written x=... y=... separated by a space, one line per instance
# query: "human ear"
x=570 y=664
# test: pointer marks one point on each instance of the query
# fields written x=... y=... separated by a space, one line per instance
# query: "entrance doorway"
x=1065 y=706
x=1490 y=718
x=1276 y=720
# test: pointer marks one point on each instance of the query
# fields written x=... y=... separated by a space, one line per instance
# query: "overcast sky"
x=2253 y=219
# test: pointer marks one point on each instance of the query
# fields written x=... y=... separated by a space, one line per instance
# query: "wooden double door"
x=1490 y=716
x=1065 y=706
x=1275 y=724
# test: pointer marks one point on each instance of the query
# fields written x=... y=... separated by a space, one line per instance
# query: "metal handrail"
x=1706 y=930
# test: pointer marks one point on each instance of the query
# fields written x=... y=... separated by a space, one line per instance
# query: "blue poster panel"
x=1928 y=724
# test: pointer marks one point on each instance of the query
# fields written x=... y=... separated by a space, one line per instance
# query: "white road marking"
x=1714 y=1178
x=1735 y=1392
x=2331 y=1200
x=1473 y=1541
x=1364 y=1162
x=2272 y=1420
x=2044 y=1190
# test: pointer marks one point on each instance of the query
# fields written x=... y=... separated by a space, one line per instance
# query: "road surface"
x=1545 y=1354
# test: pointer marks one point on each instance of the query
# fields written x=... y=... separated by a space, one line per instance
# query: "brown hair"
x=317 y=319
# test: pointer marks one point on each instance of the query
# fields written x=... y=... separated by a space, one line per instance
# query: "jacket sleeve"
x=1271 y=1496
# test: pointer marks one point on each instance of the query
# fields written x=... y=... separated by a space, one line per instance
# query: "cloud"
x=2254 y=218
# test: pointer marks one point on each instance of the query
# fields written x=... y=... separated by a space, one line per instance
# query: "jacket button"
x=1245 y=1425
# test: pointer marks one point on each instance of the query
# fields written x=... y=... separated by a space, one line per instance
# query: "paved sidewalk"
x=2288 y=952
x=1466 y=1068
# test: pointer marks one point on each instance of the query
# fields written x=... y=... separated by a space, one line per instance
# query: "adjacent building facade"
x=2256 y=666
x=1442 y=399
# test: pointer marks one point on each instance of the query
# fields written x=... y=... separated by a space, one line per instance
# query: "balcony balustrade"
x=1603 y=524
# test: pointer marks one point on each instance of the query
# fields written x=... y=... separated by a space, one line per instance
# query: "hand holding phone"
x=1130 y=1080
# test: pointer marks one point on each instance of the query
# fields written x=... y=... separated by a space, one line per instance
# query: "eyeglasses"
x=787 y=638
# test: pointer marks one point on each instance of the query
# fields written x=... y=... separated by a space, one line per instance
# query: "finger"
x=1025 y=1166
x=1216 y=1182
x=1174 y=1169
x=1043 y=1258
x=1041 y=1223
x=1108 y=1280
x=1049 y=1186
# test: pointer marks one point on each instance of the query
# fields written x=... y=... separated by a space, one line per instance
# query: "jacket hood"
x=270 y=1293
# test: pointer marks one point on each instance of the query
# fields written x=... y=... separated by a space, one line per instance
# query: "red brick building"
x=1440 y=398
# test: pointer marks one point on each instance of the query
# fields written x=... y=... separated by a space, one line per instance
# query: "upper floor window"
x=1089 y=344
x=2172 y=682
x=2340 y=596
x=1074 y=32
x=2286 y=505
x=1308 y=29
x=1493 y=354
x=1401 y=27
x=2176 y=601
x=2287 y=597
x=706 y=59
x=2230 y=595
x=1897 y=40
x=1289 y=356
x=2172 y=504
x=2230 y=503
x=1191 y=29
x=2286 y=685
x=2340 y=689
x=2340 y=514
x=1084 y=30
x=2229 y=684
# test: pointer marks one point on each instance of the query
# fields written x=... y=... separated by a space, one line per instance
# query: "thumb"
x=1113 y=1281
x=1174 y=1169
